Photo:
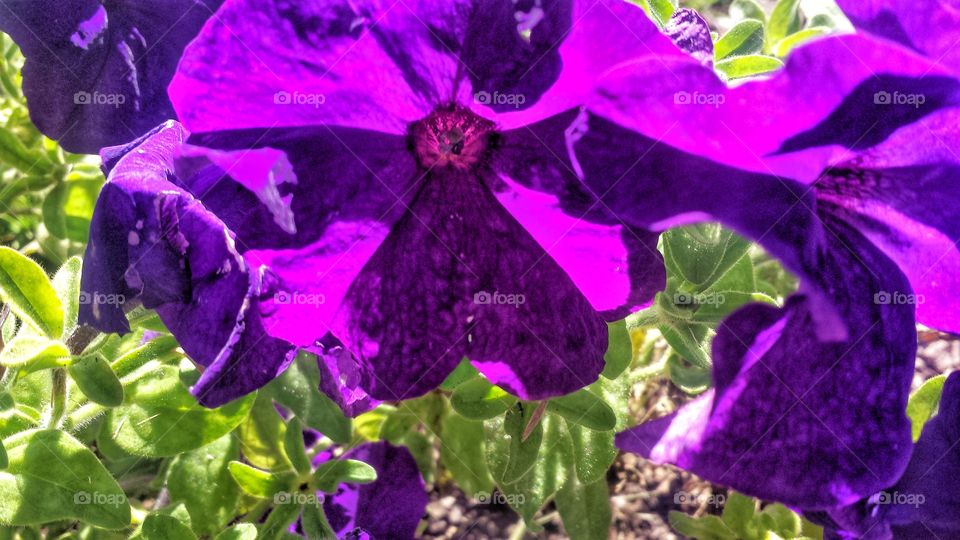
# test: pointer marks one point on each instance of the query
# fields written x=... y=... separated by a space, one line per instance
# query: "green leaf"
x=747 y=9
x=298 y=389
x=242 y=531
x=527 y=493
x=593 y=451
x=689 y=341
x=462 y=451
x=702 y=253
x=464 y=372
x=259 y=483
x=509 y=456
x=201 y=480
x=738 y=515
x=132 y=356
x=923 y=403
x=619 y=349
x=163 y=527
x=478 y=399
x=584 y=408
x=785 y=19
x=661 y=10
x=33 y=353
x=25 y=288
x=744 y=38
x=4 y=459
x=707 y=527
x=51 y=476
x=750 y=65
x=781 y=520
x=315 y=524
x=732 y=290
x=159 y=417
x=279 y=521
x=293 y=446
x=27 y=160
x=331 y=474
x=691 y=379
x=68 y=207
x=585 y=509
x=261 y=435
x=66 y=282
x=97 y=381
x=783 y=47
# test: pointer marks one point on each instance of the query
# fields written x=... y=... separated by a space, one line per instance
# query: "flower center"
x=451 y=136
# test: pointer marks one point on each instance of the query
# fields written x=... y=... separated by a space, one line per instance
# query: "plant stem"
x=58 y=397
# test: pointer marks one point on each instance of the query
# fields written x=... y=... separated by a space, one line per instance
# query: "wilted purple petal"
x=692 y=34
x=154 y=243
x=388 y=508
x=96 y=72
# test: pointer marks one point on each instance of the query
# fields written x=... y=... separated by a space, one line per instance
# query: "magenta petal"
x=926 y=26
x=617 y=267
x=830 y=96
x=456 y=277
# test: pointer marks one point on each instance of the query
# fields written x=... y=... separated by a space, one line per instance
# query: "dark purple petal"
x=342 y=379
x=808 y=399
x=791 y=418
x=457 y=276
x=96 y=73
x=617 y=267
x=904 y=194
x=926 y=26
x=386 y=509
x=692 y=34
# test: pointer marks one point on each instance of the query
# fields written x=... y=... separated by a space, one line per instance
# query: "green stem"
x=58 y=397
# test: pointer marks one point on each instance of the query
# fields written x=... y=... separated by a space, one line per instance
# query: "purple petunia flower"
x=96 y=72
x=390 y=507
x=851 y=143
x=923 y=502
x=422 y=208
